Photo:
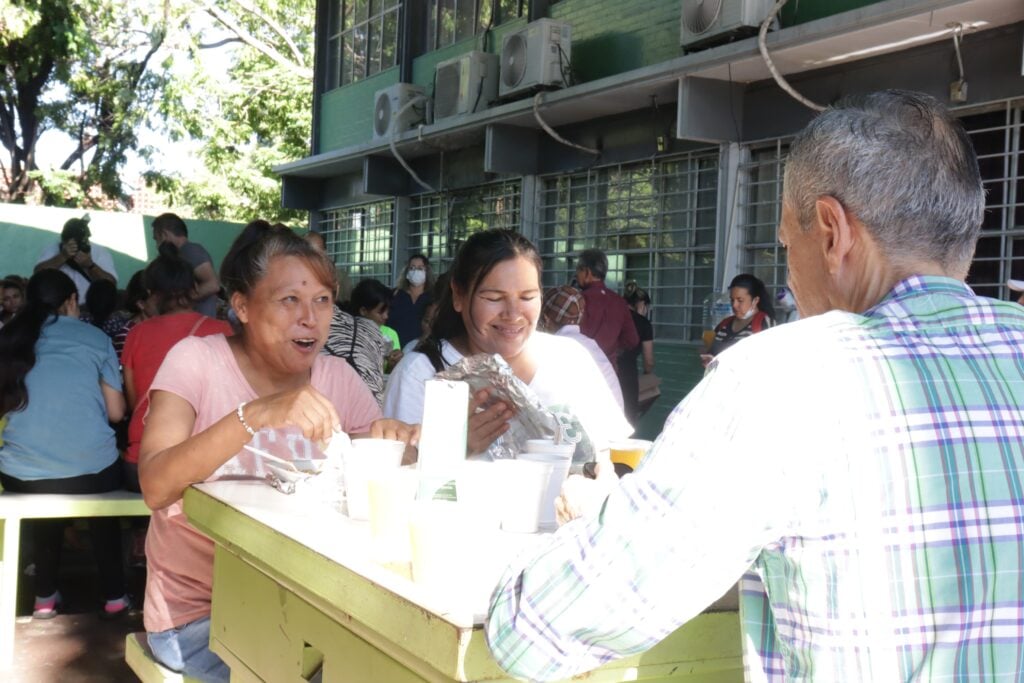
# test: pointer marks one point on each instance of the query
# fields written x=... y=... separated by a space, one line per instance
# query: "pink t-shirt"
x=203 y=371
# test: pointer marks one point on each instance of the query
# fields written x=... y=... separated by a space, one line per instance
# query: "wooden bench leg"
x=11 y=530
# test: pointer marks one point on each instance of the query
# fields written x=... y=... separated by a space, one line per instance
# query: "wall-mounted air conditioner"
x=705 y=22
x=397 y=109
x=465 y=84
x=535 y=57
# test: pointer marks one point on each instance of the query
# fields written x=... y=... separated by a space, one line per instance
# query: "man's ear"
x=240 y=304
x=837 y=229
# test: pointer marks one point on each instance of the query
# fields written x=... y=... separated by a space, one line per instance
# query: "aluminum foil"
x=532 y=420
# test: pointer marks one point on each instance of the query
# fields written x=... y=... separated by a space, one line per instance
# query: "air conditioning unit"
x=465 y=84
x=535 y=57
x=705 y=22
x=397 y=109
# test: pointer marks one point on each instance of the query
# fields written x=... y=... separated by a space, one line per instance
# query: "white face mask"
x=416 y=277
x=749 y=313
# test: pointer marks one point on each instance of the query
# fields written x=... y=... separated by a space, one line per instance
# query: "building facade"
x=662 y=144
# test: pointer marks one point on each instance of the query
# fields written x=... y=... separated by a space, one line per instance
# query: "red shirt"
x=607 y=320
x=144 y=350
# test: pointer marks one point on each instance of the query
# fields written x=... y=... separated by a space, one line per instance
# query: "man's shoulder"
x=195 y=254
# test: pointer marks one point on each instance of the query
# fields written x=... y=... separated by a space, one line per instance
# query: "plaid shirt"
x=861 y=472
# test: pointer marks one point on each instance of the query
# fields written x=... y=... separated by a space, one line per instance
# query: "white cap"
x=1015 y=285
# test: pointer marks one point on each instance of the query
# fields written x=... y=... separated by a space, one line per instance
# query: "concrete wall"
x=26 y=230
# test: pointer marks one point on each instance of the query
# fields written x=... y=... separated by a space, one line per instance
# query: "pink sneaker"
x=46 y=608
x=114 y=609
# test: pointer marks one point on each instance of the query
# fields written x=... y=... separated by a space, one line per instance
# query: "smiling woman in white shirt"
x=492 y=306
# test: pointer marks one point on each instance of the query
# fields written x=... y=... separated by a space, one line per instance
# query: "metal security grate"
x=359 y=240
x=656 y=222
x=439 y=223
x=759 y=211
x=996 y=135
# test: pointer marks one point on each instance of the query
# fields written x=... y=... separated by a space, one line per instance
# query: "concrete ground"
x=76 y=646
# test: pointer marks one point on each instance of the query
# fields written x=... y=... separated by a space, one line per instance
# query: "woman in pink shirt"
x=215 y=394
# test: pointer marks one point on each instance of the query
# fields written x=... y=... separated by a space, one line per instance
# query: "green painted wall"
x=26 y=230
x=346 y=114
x=613 y=36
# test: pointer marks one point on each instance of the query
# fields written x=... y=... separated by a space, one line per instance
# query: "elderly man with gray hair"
x=876 y=512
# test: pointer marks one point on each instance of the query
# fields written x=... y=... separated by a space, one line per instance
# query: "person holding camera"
x=77 y=258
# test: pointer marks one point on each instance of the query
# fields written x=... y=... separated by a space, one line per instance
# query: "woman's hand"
x=396 y=430
x=305 y=408
x=486 y=424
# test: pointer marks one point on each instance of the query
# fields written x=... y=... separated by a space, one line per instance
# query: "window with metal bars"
x=439 y=223
x=449 y=21
x=358 y=239
x=997 y=138
x=759 y=210
x=656 y=222
x=363 y=39
x=996 y=135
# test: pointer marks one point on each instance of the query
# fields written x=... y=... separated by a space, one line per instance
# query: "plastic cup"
x=366 y=458
x=560 y=458
x=524 y=484
x=629 y=452
x=477 y=489
x=392 y=493
x=441 y=549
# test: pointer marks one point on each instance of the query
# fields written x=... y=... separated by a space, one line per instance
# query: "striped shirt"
x=861 y=472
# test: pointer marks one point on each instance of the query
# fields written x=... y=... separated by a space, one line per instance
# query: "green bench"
x=15 y=507
x=141 y=662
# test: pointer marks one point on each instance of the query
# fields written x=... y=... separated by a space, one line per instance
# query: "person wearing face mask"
x=752 y=312
x=411 y=298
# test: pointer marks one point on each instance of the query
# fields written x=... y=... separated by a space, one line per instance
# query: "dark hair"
x=634 y=295
x=135 y=294
x=595 y=261
x=259 y=243
x=101 y=300
x=476 y=259
x=76 y=229
x=368 y=294
x=403 y=281
x=170 y=222
x=756 y=288
x=47 y=291
x=171 y=278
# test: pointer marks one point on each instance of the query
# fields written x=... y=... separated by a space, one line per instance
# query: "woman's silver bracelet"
x=241 y=418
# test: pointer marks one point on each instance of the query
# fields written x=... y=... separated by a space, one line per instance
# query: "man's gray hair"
x=902 y=165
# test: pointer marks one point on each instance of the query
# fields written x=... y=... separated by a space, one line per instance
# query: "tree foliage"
x=248 y=117
x=83 y=68
x=232 y=77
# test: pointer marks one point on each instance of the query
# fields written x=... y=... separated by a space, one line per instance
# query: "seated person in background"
x=103 y=311
x=215 y=394
x=752 y=312
x=78 y=258
x=170 y=281
x=639 y=303
x=371 y=299
x=60 y=387
x=874 y=513
x=563 y=309
x=136 y=308
x=12 y=297
x=492 y=306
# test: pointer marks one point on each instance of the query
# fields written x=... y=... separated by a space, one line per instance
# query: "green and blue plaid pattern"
x=862 y=473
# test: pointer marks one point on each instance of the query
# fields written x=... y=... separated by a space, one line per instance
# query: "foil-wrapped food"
x=532 y=420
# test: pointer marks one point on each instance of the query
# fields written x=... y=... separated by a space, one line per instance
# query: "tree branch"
x=257 y=44
x=219 y=43
x=297 y=56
